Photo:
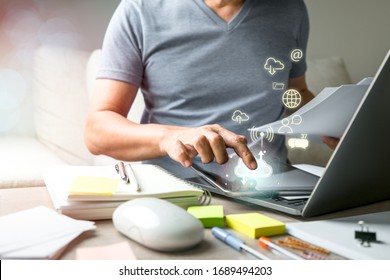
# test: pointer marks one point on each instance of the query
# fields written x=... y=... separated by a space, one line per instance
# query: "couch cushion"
x=23 y=161
x=326 y=72
x=92 y=68
x=61 y=102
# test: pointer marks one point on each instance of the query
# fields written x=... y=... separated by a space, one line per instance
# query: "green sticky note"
x=210 y=215
x=89 y=185
x=255 y=224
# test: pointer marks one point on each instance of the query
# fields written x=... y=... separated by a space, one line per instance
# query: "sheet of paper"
x=46 y=250
x=36 y=226
x=366 y=81
x=338 y=235
x=312 y=169
x=328 y=114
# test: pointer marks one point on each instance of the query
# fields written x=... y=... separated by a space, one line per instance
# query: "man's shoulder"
x=136 y=3
x=151 y=6
x=133 y=2
x=149 y=3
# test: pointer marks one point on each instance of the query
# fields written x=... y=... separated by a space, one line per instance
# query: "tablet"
x=238 y=180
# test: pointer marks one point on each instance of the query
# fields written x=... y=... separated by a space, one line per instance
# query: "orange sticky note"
x=94 y=185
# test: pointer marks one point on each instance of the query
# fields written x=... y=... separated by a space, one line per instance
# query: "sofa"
x=62 y=81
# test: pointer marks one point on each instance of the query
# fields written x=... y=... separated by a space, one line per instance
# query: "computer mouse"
x=158 y=224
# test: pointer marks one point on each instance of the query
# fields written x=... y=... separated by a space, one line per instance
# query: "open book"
x=93 y=192
x=328 y=114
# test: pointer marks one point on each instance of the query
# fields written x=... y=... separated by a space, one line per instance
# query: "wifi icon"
x=269 y=134
x=257 y=134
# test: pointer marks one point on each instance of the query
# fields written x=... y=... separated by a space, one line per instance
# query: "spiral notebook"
x=93 y=192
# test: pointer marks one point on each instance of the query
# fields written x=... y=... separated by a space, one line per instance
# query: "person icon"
x=285 y=128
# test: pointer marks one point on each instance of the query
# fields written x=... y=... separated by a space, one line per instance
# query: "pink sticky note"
x=118 y=251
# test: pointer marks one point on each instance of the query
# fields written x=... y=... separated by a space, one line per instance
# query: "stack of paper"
x=329 y=113
x=94 y=192
x=38 y=233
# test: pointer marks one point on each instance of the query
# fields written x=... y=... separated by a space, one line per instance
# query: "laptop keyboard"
x=298 y=202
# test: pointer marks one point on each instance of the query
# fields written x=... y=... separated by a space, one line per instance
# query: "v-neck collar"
x=227 y=26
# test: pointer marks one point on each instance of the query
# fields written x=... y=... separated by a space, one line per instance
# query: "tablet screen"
x=235 y=179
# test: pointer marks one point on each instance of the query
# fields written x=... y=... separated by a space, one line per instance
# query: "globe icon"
x=291 y=98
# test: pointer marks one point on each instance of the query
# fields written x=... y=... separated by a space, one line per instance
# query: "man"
x=208 y=70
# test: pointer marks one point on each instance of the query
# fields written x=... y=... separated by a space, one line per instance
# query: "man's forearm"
x=113 y=135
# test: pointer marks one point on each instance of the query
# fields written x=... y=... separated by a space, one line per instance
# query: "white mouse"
x=158 y=224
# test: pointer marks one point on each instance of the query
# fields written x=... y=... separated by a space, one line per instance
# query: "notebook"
x=93 y=192
x=356 y=174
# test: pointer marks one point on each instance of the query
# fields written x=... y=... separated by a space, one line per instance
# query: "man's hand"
x=331 y=141
x=209 y=142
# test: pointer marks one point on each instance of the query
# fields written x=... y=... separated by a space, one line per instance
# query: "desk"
x=12 y=200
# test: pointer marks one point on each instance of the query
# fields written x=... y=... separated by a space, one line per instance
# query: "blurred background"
x=27 y=24
x=356 y=30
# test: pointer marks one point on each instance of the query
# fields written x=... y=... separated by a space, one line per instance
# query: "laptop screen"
x=358 y=172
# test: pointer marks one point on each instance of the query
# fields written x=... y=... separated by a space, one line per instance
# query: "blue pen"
x=238 y=244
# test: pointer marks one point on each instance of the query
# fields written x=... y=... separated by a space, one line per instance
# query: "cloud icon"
x=272 y=65
x=263 y=170
x=239 y=116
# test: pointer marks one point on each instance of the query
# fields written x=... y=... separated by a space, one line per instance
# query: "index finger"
x=239 y=144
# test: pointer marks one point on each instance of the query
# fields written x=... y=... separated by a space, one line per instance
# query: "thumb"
x=182 y=153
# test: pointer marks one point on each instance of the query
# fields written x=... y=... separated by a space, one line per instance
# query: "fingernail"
x=187 y=163
x=253 y=164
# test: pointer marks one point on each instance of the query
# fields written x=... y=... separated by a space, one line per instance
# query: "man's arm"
x=109 y=132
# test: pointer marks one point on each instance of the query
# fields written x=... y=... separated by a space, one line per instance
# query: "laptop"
x=358 y=172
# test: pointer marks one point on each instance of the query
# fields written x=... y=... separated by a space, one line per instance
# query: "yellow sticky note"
x=255 y=224
x=94 y=185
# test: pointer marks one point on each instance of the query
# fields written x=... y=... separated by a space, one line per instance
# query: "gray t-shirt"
x=193 y=68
